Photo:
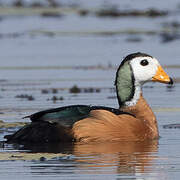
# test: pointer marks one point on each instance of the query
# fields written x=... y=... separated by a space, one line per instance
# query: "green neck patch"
x=124 y=83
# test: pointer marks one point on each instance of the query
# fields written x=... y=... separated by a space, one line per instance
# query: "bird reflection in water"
x=122 y=157
x=128 y=157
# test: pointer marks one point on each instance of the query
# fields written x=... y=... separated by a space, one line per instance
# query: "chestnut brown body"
x=105 y=126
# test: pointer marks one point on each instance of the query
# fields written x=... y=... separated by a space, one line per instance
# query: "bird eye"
x=144 y=62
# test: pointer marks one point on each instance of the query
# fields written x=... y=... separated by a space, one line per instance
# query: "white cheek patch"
x=141 y=73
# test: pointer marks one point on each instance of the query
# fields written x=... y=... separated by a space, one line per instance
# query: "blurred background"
x=45 y=33
x=61 y=52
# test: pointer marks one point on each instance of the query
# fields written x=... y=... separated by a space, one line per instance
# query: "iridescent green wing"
x=67 y=115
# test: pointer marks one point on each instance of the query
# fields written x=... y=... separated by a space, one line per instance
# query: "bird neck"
x=134 y=97
x=127 y=89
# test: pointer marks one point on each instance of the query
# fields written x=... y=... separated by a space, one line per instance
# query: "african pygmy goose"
x=132 y=121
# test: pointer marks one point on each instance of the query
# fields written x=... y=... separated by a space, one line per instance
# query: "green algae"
x=26 y=156
x=11 y=125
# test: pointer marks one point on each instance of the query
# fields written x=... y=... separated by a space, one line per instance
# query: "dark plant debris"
x=111 y=97
x=11 y=35
x=55 y=98
x=113 y=12
x=36 y=5
x=83 y=12
x=25 y=96
x=134 y=39
x=49 y=3
x=148 y=87
x=53 y=3
x=18 y=3
x=47 y=91
x=51 y=14
x=91 y=90
x=6 y=126
x=169 y=37
x=171 y=126
x=54 y=91
x=75 y=89
x=172 y=25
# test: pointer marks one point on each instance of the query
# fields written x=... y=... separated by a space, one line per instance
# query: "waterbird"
x=134 y=120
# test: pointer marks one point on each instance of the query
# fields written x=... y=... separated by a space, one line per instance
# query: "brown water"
x=34 y=61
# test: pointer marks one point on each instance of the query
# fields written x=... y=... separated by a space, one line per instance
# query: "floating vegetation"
x=11 y=35
x=55 y=98
x=148 y=87
x=18 y=3
x=97 y=90
x=173 y=24
x=11 y=125
x=54 y=91
x=128 y=31
x=75 y=89
x=53 y=3
x=11 y=156
x=91 y=90
x=25 y=96
x=113 y=12
x=53 y=9
x=22 y=3
x=164 y=34
x=47 y=91
x=88 y=90
x=83 y=12
x=168 y=37
x=134 y=39
x=171 y=126
x=51 y=14
x=36 y=5
x=111 y=97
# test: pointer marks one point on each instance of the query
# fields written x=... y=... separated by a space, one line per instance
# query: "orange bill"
x=161 y=76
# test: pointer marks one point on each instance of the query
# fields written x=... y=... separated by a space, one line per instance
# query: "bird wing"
x=68 y=115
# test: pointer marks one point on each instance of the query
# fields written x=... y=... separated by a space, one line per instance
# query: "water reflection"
x=123 y=158
x=128 y=157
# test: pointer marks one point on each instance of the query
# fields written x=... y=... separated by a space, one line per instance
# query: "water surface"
x=80 y=53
